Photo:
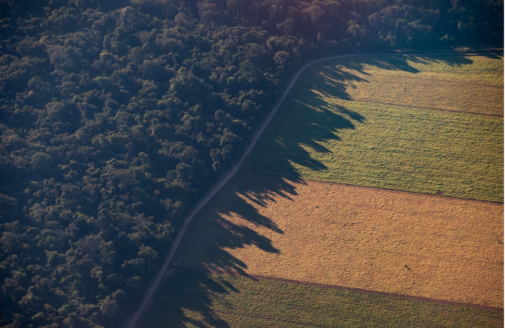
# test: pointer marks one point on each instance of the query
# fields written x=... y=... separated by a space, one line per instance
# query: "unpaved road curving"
x=132 y=322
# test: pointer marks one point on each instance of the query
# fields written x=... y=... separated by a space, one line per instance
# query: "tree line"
x=116 y=117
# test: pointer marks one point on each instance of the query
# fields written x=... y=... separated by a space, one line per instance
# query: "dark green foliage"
x=117 y=117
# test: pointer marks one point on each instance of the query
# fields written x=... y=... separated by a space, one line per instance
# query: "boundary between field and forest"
x=149 y=295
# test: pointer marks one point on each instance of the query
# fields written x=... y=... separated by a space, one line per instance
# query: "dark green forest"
x=117 y=116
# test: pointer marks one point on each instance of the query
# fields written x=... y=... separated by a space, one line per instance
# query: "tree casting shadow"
x=206 y=248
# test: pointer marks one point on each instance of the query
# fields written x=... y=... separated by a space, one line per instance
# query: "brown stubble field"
x=472 y=84
x=367 y=238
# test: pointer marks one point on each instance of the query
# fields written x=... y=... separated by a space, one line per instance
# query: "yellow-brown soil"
x=388 y=241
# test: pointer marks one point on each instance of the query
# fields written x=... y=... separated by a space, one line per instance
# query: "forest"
x=117 y=116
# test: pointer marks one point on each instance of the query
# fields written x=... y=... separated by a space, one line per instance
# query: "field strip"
x=367 y=238
x=205 y=299
x=148 y=296
x=410 y=81
x=430 y=108
x=396 y=191
x=356 y=290
x=324 y=136
x=471 y=83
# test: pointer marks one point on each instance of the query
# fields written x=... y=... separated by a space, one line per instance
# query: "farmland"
x=204 y=300
x=348 y=189
x=334 y=128
x=367 y=238
x=427 y=82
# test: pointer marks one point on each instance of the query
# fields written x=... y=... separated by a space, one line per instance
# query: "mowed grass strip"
x=367 y=238
x=196 y=299
x=322 y=133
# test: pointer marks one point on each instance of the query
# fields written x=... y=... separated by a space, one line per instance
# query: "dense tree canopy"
x=117 y=116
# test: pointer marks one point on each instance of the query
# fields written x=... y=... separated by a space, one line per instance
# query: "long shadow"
x=187 y=297
x=217 y=233
x=493 y=56
x=185 y=290
x=230 y=220
x=322 y=122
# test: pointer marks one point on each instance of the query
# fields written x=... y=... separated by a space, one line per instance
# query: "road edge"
x=151 y=291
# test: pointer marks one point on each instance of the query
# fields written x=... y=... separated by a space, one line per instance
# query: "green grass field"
x=329 y=129
x=196 y=299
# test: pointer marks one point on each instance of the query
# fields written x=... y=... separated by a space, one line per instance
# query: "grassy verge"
x=196 y=299
x=334 y=128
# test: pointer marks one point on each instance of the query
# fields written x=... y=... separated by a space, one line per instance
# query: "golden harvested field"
x=389 y=241
x=471 y=84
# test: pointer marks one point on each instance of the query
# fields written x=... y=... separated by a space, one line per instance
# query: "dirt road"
x=132 y=322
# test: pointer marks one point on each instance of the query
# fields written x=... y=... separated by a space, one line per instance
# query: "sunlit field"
x=337 y=127
x=367 y=238
x=465 y=84
x=379 y=174
x=195 y=299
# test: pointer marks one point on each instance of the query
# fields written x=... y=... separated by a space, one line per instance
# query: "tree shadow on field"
x=231 y=223
x=185 y=290
x=235 y=219
x=494 y=55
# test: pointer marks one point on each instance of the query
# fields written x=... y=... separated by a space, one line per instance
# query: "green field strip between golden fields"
x=329 y=130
